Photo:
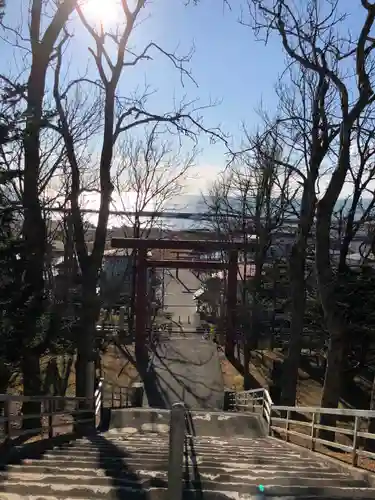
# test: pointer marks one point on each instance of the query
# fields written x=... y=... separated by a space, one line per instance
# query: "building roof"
x=121 y=252
x=250 y=272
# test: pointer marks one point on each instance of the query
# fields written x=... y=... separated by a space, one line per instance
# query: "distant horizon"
x=184 y=204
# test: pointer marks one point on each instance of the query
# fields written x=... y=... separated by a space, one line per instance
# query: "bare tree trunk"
x=86 y=333
x=297 y=267
x=326 y=286
x=349 y=231
x=32 y=386
x=34 y=229
x=298 y=296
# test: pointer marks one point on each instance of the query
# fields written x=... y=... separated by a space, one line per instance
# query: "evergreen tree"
x=11 y=289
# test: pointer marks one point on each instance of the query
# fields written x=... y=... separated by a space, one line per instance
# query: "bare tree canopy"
x=69 y=131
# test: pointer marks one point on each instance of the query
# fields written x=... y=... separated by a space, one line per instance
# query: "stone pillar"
x=137 y=395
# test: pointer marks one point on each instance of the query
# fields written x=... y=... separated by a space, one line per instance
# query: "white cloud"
x=200 y=178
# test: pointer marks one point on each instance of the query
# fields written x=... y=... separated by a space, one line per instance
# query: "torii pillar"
x=141 y=304
x=231 y=304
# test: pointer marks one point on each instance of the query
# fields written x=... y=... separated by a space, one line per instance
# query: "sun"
x=104 y=11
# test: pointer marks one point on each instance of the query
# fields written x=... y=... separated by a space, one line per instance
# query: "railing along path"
x=59 y=414
x=280 y=419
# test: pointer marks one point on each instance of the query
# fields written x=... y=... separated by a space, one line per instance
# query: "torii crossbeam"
x=143 y=245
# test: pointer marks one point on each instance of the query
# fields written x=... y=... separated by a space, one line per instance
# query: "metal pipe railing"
x=283 y=421
x=176 y=451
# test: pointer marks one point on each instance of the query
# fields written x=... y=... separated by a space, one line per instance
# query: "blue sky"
x=229 y=65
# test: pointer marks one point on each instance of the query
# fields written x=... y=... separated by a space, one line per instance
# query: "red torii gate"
x=143 y=245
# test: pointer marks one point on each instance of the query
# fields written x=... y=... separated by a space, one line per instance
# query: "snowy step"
x=205 y=481
x=202 y=459
x=164 y=444
x=233 y=490
x=217 y=474
x=134 y=466
x=205 y=452
x=41 y=467
x=160 y=494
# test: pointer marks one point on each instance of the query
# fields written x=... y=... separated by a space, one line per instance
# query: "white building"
x=116 y=279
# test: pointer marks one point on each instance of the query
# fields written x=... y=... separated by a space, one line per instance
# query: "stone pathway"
x=185 y=367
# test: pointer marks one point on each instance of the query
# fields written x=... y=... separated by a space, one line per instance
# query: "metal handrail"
x=79 y=411
x=278 y=418
x=177 y=433
x=83 y=410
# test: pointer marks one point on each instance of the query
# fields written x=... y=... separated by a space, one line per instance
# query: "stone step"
x=209 y=473
x=190 y=447
x=206 y=423
x=163 y=445
x=248 y=460
x=161 y=494
x=87 y=462
x=42 y=467
x=134 y=450
x=154 y=437
x=199 y=443
x=232 y=490
x=205 y=481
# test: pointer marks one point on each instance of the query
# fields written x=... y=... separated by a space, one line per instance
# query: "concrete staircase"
x=132 y=464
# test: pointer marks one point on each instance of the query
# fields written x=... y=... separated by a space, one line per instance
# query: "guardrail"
x=281 y=419
x=57 y=413
x=60 y=414
x=111 y=395
x=115 y=396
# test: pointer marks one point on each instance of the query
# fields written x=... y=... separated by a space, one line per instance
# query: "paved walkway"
x=179 y=295
x=185 y=367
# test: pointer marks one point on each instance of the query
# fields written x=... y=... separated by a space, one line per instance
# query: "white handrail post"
x=176 y=451
x=98 y=402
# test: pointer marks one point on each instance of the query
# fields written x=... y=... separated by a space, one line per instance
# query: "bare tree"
x=118 y=115
x=303 y=124
x=252 y=199
x=311 y=37
x=150 y=172
x=40 y=43
x=359 y=206
x=153 y=171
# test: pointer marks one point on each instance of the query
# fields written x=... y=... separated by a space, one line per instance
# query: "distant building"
x=212 y=296
x=116 y=280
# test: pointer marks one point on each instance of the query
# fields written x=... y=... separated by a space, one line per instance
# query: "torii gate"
x=143 y=245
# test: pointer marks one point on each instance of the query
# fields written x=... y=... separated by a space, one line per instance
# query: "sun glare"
x=104 y=11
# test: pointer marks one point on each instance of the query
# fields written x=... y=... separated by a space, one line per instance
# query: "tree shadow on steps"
x=16 y=452
x=124 y=479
